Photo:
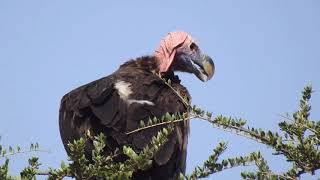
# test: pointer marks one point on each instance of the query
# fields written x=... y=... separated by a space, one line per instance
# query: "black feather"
x=97 y=107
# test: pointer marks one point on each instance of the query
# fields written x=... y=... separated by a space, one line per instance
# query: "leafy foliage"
x=298 y=142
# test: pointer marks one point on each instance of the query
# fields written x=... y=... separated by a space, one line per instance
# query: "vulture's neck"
x=149 y=63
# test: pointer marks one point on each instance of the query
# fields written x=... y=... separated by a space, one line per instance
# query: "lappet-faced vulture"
x=116 y=104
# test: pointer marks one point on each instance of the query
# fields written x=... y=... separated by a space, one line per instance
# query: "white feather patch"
x=130 y=101
x=124 y=90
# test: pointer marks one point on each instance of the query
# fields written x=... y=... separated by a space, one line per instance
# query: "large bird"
x=117 y=103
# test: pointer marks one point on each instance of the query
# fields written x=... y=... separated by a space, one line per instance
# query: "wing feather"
x=97 y=107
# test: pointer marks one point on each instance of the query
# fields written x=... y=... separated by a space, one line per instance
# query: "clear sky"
x=265 y=52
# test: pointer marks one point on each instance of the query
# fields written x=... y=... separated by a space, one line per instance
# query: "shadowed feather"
x=115 y=104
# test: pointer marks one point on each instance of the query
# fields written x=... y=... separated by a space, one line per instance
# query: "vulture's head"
x=178 y=52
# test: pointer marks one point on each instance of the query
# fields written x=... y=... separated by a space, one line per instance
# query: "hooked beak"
x=203 y=67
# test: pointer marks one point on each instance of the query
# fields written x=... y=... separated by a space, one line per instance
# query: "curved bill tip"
x=208 y=67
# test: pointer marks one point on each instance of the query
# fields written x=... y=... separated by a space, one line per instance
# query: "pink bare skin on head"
x=167 y=48
x=180 y=47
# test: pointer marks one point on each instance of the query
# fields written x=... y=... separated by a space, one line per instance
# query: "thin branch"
x=160 y=124
x=223 y=169
x=187 y=105
x=285 y=117
x=22 y=152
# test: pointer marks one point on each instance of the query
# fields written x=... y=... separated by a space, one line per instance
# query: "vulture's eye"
x=193 y=47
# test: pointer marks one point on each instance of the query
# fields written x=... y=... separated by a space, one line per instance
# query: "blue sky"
x=265 y=52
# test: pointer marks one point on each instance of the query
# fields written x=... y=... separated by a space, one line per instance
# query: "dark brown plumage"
x=98 y=107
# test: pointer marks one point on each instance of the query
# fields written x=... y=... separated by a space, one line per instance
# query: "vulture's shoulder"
x=82 y=96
